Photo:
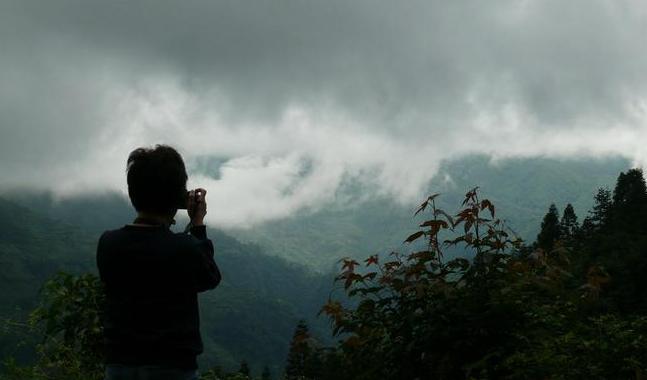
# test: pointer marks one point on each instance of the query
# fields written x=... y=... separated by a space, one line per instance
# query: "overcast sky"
x=276 y=104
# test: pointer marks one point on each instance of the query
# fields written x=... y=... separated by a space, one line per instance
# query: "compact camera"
x=184 y=200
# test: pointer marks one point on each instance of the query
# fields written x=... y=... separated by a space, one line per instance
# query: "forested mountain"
x=249 y=316
x=521 y=188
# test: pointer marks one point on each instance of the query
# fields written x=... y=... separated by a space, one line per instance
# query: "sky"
x=276 y=106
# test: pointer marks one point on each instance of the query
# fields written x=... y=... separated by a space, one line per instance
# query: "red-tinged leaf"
x=350 y=279
x=332 y=308
x=422 y=207
x=414 y=236
x=422 y=255
x=350 y=264
x=391 y=265
x=424 y=204
x=468 y=225
x=446 y=215
x=371 y=260
x=436 y=224
x=455 y=241
x=485 y=203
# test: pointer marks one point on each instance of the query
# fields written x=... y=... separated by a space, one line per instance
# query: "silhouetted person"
x=152 y=276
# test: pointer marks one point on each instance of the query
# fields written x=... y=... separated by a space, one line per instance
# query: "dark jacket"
x=152 y=277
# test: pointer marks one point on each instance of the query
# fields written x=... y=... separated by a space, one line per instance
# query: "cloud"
x=295 y=99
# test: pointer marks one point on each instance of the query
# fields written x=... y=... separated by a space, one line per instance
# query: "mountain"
x=250 y=316
x=358 y=226
x=521 y=189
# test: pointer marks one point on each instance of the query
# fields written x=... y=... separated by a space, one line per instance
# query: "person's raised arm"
x=206 y=273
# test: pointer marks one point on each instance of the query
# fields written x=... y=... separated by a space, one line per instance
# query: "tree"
x=550 y=229
x=68 y=319
x=266 y=374
x=415 y=315
x=602 y=207
x=299 y=352
x=599 y=215
x=630 y=189
x=244 y=368
x=629 y=201
x=568 y=226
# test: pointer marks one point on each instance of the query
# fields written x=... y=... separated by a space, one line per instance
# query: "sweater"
x=152 y=278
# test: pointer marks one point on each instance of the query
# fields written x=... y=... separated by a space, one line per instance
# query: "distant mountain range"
x=522 y=190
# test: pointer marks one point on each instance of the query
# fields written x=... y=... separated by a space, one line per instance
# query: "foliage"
x=68 y=320
x=511 y=312
x=598 y=347
x=419 y=316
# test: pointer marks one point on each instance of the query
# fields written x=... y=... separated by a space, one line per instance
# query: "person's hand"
x=197 y=206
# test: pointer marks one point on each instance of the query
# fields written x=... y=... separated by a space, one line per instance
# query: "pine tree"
x=599 y=216
x=244 y=368
x=630 y=188
x=550 y=229
x=266 y=375
x=568 y=226
x=299 y=352
x=629 y=201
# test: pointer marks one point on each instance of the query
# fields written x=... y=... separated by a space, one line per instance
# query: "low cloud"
x=295 y=99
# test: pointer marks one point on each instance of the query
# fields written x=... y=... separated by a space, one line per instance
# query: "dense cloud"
x=293 y=99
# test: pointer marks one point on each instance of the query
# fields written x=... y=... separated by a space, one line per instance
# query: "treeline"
x=570 y=305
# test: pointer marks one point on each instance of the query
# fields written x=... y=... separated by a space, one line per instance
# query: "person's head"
x=156 y=179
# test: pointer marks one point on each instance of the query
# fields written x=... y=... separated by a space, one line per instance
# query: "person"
x=152 y=276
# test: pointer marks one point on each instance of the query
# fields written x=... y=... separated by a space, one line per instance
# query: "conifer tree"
x=299 y=352
x=569 y=227
x=599 y=216
x=629 y=201
x=550 y=229
x=244 y=368
x=630 y=188
x=266 y=374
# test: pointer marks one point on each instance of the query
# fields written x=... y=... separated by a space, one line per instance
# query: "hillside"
x=250 y=316
x=522 y=189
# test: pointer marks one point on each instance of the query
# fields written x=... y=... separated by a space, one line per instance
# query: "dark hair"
x=156 y=179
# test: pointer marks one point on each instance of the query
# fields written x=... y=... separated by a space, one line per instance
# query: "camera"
x=183 y=203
